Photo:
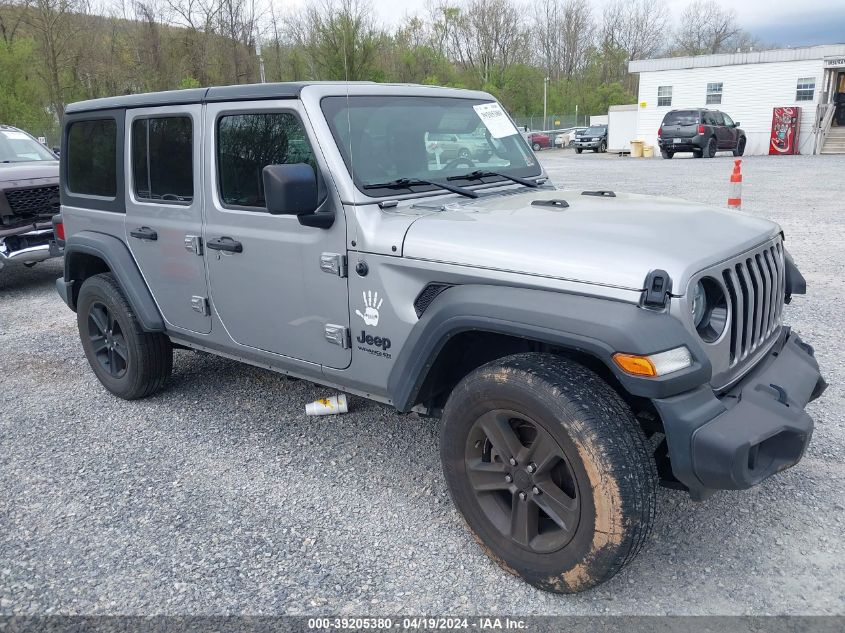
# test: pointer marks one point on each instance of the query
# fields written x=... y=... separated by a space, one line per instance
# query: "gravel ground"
x=219 y=496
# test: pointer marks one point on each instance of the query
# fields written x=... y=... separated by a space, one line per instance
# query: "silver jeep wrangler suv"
x=579 y=347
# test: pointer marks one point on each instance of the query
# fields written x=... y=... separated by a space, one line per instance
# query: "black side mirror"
x=292 y=190
x=736 y=123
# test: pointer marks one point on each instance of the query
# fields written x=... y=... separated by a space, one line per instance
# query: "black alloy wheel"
x=107 y=340
x=523 y=481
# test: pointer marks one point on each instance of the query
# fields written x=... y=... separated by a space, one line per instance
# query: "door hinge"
x=200 y=304
x=338 y=334
x=333 y=263
x=193 y=243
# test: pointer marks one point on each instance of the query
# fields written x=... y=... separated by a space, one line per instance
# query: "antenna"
x=349 y=128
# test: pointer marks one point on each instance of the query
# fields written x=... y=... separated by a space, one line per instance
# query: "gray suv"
x=574 y=363
x=29 y=198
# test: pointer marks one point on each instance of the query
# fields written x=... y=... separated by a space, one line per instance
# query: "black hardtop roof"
x=247 y=92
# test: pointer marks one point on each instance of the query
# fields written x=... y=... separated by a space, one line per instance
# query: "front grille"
x=756 y=286
x=34 y=201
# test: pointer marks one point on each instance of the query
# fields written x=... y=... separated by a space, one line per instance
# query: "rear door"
x=163 y=166
x=681 y=125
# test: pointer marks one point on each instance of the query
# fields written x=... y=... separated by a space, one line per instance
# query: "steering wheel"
x=460 y=162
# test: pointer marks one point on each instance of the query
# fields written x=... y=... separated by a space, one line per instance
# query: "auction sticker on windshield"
x=495 y=120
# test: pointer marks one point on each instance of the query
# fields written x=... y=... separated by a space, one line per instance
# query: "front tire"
x=129 y=362
x=578 y=150
x=536 y=147
x=578 y=500
x=603 y=147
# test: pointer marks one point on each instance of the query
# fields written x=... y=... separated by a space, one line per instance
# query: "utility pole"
x=260 y=59
x=545 y=101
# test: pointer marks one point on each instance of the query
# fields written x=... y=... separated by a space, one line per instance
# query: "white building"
x=747 y=86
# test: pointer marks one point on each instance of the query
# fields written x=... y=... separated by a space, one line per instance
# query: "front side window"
x=162 y=159
x=92 y=158
x=247 y=143
x=391 y=143
x=664 y=96
x=20 y=147
x=728 y=120
x=806 y=88
x=714 y=93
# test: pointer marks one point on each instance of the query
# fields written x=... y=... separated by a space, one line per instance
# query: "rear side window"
x=246 y=143
x=92 y=158
x=681 y=117
x=162 y=159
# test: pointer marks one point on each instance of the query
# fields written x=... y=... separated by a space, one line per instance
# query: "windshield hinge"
x=333 y=263
x=658 y=287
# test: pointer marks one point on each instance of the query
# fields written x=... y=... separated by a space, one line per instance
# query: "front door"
x=840 y=99
x=163 y=221
x=268 y=289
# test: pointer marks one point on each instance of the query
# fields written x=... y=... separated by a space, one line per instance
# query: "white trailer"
x=621 y=127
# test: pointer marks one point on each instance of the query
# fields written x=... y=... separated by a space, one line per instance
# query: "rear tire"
x=710 y=150
x=129 y=362
x=666 y=154
x=580 y=500
x=740 y=147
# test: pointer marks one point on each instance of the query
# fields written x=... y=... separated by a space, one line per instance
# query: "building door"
x=839 y=99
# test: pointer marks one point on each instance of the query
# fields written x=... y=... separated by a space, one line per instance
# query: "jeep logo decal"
x=375 y=341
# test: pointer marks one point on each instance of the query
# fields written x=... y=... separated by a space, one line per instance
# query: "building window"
x=246 y=143
x=664 y=96
x=806 y=89
x=92 y=158
x=162 y=159
x=714 y=93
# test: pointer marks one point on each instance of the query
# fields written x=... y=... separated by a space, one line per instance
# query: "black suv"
x=702 y=132
x=594 y=138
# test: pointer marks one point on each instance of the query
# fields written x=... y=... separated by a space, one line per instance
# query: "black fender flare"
x=115 y=254
x=598 y=327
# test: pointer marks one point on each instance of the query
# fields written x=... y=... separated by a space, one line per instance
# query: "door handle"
x=225 y=244
x=144 y=233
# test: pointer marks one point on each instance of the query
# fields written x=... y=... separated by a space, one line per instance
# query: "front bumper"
x=587 y=144
x=735 y=440
x=26 y=248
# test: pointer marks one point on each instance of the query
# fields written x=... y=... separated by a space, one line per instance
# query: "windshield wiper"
x=406 y=183
x=479 y=174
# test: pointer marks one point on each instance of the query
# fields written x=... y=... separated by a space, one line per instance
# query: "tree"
x=563 y=31
x=634 y=28
x=706 y=27
x=339 y=38
x=488 y=37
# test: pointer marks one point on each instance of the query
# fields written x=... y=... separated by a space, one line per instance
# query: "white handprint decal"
x=371 y=304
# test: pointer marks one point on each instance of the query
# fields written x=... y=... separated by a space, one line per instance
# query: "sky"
x=787 y=23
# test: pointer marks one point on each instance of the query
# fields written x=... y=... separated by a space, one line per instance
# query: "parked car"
x=574 y=365
x=538 y=140
x=29 y=198
x=566 y=138
x=700 y=131
x=594 y=138
x=455 y=146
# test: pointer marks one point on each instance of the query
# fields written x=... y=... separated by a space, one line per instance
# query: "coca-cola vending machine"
x=785 y=128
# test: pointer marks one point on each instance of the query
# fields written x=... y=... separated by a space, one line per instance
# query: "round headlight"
x=698 y=305
x=709 y=308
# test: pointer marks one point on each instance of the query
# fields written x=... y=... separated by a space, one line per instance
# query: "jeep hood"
x=611 y=241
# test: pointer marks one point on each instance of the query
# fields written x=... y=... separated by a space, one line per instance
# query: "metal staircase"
x=834 y=141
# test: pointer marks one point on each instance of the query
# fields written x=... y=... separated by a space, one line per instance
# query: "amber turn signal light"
x=635 y=365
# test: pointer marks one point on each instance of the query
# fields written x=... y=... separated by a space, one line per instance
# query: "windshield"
x=597 y=130
x=388 y=139
x=19 y=147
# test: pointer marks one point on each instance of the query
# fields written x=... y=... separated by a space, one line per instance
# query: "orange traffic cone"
x=735 y=197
